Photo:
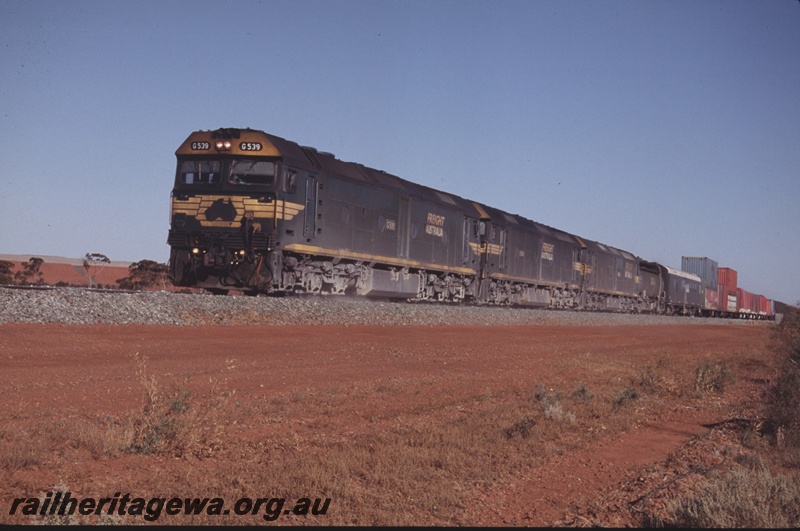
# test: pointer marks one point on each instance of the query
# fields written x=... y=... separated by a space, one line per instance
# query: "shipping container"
x=727 y=300
x=745 y=300
x=703 y=267
x=733 y=301
x=761 y=305
x=730 y=300
x=728 y=277
x=712 y=299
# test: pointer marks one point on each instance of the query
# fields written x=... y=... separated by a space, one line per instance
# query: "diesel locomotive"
x=259 y=214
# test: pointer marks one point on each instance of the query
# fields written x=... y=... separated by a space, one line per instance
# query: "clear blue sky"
x=666 y=128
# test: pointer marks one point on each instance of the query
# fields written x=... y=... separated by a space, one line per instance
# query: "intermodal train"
x=259 y=214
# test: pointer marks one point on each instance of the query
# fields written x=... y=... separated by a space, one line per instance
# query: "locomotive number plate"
x=250 y=146
x=201 y=146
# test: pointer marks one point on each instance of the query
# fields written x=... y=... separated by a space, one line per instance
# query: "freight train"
x=259 y=214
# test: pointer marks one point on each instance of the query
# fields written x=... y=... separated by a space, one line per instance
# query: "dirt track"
x=382 y=378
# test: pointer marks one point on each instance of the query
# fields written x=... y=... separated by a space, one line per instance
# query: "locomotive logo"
x=221 y=210
x=583 y=269
x=489 y=248
x=227 y=211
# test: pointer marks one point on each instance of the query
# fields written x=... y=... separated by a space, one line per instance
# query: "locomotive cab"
x=225 y=211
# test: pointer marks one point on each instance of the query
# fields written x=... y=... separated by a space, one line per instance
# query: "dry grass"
x=427 y=465
x=169 y=421
x=22 y=449
x=404 y=465
x=762 y=489
x=390 y=470
x=782 y=408
x=741 y=497
x=712 y=377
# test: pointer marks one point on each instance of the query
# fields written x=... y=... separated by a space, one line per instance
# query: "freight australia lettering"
x=547 y=251
x=435 y=225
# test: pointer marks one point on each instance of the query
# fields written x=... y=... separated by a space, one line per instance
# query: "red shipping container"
x=764 y=306
x=745 y=300
x=727 y=277
x=727 y=300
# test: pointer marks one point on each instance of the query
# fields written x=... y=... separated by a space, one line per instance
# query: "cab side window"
x=289 y=181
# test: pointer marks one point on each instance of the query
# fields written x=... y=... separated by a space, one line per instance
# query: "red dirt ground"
x=75 y=275
x=79 y=372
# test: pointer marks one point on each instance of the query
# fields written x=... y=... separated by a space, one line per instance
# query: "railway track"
x=49 y=304
x=72 y=288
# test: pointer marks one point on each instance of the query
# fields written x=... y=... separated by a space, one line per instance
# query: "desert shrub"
x=741 y=497
x=624 y=396
x=653 y=378
x=554 y=411
x=550 y=404
x=161 y=419
x=783 y=407
x=19 y=449
x=582 y=394
x=521 y=428
x=540 y=392
x=6 y=276
x=545 y=396
x=170 y=421
x=710 y=377
x=783 y=398
x=785 y=338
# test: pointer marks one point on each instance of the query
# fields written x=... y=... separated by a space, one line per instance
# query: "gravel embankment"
x=72 y=306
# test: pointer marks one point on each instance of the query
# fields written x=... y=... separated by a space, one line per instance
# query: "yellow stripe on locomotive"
x=228 y=211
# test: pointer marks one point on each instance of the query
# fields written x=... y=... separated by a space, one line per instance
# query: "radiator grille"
x=227 y=239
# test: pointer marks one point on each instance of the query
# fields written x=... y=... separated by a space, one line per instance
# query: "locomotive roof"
x=311 y=159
